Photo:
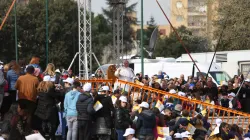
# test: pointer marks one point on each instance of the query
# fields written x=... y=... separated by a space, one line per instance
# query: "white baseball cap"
x=231 y=94
x=224 y=83
x=69 y=80
x=123 y=99
x=187 y=132
x=247 y=80
x=181 y=93
x=177 y=135
x=87 y=87
x=144 y=104
x=218 y=121
x=104 y=88
x=129 y=131
x=57 y=70
x=185 y=135
x=172 y=91
x=46 y=78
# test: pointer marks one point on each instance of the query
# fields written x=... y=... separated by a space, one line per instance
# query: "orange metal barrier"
x=98 y=83
x=218 y=111
x=224 y=113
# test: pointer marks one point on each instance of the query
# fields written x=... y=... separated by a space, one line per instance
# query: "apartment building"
x=196 y=15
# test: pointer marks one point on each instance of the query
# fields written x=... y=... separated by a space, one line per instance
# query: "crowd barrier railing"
x=98 y=83
x=226 y=114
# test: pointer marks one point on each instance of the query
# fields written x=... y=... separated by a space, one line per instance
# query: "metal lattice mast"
x=85 y=46
x=118 y=13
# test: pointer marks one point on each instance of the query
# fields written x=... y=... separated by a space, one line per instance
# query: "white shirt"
x=125 y=73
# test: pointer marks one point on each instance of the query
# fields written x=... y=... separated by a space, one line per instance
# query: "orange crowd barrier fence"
x=98 y=83
x=145 y=93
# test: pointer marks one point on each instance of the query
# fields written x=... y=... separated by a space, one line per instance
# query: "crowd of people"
x=35 y=102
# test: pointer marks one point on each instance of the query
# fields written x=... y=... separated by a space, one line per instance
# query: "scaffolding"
x=118 y=14
x=85 y=45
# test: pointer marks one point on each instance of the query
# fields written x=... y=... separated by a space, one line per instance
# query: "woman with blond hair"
x=46 y=110
x=50 y=71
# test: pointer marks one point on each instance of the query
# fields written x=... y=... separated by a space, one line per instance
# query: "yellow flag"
x=163 y=131
x=159 y=105
x=114 y=99
x=191 y=128
x=204 y=112
x=98 y=105
x=135 y=108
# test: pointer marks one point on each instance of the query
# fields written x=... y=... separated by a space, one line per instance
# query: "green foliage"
x=235 y=16
x=171 y=47
x=127 y=22
x=63 y=32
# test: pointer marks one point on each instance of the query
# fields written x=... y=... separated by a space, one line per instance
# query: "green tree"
x=101 y=37
x=63 y=31
x=171 y=47
x=234 y=20
x=7 y=34
x=128 y=21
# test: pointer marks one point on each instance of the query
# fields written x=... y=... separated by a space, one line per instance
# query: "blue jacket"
x=12 y=78
x=70 y=103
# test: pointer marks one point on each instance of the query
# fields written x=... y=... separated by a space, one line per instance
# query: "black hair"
x=76 y=84
x=30 y=69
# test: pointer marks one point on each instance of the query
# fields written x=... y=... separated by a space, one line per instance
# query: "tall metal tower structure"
x=118 y=14
x=85 y=44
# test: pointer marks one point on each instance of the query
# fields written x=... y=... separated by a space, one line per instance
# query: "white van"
x=174 y=69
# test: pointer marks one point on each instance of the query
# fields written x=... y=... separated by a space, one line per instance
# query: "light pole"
x=47 y=34
x=16 y=34
x=142 y=36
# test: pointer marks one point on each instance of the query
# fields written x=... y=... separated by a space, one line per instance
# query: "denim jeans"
x=120 y=134
x=72 y=128
x=63 y=126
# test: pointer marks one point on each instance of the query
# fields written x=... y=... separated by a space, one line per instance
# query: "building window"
x=179 y=4
x=179 y=18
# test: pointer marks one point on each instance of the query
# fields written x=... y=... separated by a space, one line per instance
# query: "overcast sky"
x=150 y=9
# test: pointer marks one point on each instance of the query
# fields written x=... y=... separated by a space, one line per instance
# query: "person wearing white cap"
x=68 y=82
x=232 y=100
x=146 y=122
x=105 y=90
x=129 y=134
x=177 y=136
x=84 y=107
x=185 y=136
x=122 y=117
x=104 y=120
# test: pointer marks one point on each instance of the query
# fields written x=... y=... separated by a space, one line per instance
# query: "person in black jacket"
x=146 y=122
x=85 y=110
x=46 y=110
x=122 y=117
x=104 y=120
